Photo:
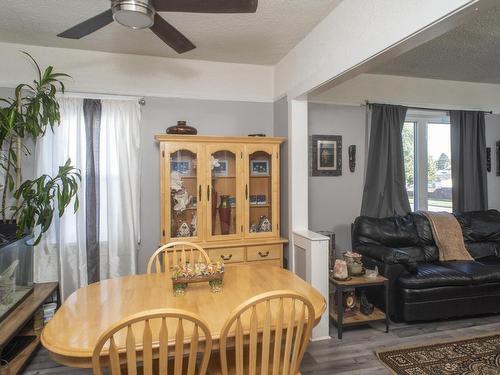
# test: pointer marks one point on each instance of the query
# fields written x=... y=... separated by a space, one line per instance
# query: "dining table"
x=70 y=336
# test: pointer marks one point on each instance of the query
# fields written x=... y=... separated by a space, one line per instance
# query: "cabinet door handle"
x=226 y=258
x=199 y=193
x=263 y=255
x=246 y=192
x=208 y=193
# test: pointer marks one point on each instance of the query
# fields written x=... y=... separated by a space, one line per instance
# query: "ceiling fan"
x=142 y=14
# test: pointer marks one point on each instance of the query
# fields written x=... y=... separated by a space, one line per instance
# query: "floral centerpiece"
x=187 y=273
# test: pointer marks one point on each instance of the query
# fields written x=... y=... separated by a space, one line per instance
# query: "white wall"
x=101 y=72
x=359 y=30
x=334 y=202
x=280 y=119
x=424 y=92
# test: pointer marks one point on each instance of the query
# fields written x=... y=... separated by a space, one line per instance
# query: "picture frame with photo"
x=222 y=169
x=326 y=152
x=259 y=167
x=181 y=166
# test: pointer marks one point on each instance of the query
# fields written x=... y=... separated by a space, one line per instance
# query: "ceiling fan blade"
x=206 y=6
x=170 y=35
x=89 y=26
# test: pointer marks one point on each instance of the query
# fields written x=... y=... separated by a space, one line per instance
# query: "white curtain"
x=119 y=178
x=62 y=255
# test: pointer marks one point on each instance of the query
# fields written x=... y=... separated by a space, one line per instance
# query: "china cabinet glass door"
x=223 y=194
x=261 y=191
x=184 y=177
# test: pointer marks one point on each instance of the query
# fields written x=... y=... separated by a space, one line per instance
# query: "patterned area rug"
x=476 y=356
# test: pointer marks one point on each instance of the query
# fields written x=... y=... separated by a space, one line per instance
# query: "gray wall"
x=492 y=136
x=210 y=118
x=280 y=119
x=334 y=202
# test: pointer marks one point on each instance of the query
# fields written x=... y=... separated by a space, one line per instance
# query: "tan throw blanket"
x=448 y=236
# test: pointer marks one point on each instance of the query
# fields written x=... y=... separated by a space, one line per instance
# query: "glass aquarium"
x=16 y=272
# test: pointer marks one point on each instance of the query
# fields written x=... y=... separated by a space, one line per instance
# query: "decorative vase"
x=340 y=270
x=214 y=208
x=354 y=264
x=182 y=128
x=225 y=214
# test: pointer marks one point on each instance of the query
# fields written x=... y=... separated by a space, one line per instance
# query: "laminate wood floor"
x=353 y=355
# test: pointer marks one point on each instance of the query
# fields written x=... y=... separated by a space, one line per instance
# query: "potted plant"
x=28 y=208
x=29 y=114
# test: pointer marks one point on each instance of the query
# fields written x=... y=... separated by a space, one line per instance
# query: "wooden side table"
x=19 y=323
x=337 y=311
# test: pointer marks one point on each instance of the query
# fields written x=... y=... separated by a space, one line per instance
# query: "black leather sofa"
x=422 y=287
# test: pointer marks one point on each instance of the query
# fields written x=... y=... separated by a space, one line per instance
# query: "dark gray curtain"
x=468 y=161
x=92 y=114
x=384 y=193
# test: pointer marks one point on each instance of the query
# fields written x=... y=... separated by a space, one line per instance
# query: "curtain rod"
x=140 y=100
x=426 y=108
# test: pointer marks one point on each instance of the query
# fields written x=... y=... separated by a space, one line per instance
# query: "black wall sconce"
x=352 y=157
x=498 y=158
x=488 y=159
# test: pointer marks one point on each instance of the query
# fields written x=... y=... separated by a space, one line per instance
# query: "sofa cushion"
x=480 y=250
x=423 y=228
x=479 y=273
x=394 y=231
x=425 y=237
x=447 y=292
x=492 y=260
x=430 y=275
x=480 y=226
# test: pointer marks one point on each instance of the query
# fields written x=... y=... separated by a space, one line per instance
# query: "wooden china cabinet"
x=222 y=193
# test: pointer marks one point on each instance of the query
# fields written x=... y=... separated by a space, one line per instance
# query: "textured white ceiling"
x=470 y=53
x=260 y=38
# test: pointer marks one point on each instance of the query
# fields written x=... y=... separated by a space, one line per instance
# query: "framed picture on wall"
x=326 y=155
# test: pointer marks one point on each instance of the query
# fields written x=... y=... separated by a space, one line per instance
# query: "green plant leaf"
x=39 y=198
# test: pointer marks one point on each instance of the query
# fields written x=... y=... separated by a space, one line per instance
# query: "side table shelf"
x=356 y=317
x=16 y=323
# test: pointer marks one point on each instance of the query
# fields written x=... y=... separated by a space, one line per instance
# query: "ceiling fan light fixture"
x=136 y=14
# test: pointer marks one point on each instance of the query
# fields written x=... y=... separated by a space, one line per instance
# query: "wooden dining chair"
x=175 y=253
x=280 y=325
x=154 y=346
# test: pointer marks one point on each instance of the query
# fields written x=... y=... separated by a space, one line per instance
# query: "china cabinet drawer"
x=227 y=255
x=264 y=252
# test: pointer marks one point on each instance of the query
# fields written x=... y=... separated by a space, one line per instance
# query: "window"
x=427 y=157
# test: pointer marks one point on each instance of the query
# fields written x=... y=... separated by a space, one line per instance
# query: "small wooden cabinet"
x=222 y=193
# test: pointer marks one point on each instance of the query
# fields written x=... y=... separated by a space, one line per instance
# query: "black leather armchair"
x=422 y=287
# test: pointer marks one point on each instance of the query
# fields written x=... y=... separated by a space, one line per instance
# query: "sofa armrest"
x=388 y=255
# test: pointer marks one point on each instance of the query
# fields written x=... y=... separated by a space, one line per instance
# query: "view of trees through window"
x=435 y=193
x=439 y=196
x=409 y=158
